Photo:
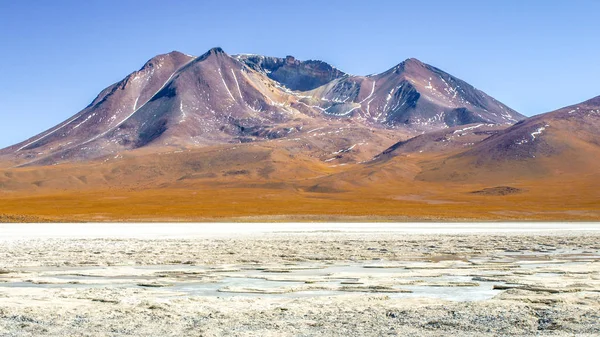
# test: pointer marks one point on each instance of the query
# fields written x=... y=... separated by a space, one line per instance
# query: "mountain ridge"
x=176 y=99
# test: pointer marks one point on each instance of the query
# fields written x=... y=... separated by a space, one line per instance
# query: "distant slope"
x=565 y=141
x=444 y=141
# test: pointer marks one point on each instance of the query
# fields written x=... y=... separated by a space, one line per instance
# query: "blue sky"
x=534 y=56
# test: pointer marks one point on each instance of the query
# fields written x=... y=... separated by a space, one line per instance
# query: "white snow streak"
x=387 y=101
x=49 y=133
x=87 y=119
x=237 y=84
x=538 y=131
x=315 y=129
x=345 y=150
x=225 y=85
x=469 y=128
x=370 y=95
x=369 y=106
x=183 y=114
x=313 y=106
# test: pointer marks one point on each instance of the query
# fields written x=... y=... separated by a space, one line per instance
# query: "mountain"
x=562 y=142
x=412 y=94
x=113 y=105
x=180 y=101
x=173 y=100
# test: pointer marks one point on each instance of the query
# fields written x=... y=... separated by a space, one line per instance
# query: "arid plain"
x=257 y=182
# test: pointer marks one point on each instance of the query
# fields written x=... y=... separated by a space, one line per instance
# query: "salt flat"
x=289 y=279
x=199 y=230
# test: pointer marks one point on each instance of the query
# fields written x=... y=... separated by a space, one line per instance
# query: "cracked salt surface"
x=297 y=281
x=268 y=258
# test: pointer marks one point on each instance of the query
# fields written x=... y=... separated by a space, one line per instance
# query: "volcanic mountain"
x=177 y=100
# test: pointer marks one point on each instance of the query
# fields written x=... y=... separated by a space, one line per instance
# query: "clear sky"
x=56 y=56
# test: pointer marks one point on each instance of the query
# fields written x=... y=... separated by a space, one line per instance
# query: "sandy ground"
x=300 y=279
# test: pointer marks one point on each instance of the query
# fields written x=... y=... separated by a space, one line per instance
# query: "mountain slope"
x=113 y=105
x=565 y=141
x=444 y=141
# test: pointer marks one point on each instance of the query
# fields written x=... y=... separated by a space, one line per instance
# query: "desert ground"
x=269 y=181
x=286 y=279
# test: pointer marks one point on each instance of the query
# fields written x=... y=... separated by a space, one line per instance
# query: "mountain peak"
x=290 y=59
x=159 y=59
x=409 y=63
x=216 y=50
x=176 y=53
x=412 y=60
x=412 y=63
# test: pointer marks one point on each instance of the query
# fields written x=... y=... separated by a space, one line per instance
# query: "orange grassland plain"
x=266 y=184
